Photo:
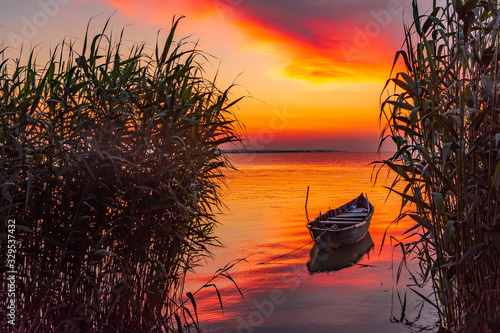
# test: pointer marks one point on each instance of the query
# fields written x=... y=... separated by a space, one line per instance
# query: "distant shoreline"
x=251 y=151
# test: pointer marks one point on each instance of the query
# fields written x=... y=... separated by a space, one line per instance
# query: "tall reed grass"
x=442 y=113
x=111 y=168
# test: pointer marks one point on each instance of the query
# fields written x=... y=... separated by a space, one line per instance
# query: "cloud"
x=315 y=40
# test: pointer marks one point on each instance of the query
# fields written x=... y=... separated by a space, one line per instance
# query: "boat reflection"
x=338 y=258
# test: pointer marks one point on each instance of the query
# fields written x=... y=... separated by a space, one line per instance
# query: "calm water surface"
x=351 y=290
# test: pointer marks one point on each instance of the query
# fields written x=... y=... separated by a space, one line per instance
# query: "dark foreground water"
x=287 y=285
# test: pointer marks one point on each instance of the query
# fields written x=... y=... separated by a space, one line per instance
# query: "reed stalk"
x=111 y=168
x=442 y=114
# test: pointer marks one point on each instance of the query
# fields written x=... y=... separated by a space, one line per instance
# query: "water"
x=265 y=223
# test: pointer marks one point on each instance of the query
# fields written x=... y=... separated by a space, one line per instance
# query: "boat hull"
x=326 y=239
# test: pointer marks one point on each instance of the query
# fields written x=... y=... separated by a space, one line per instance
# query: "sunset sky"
x=313 y=69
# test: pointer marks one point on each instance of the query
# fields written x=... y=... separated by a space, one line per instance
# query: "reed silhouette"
x=111 y=168
x=442 y=113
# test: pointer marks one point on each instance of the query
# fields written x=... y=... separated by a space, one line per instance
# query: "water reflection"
x=338 y=258
x=266 y=222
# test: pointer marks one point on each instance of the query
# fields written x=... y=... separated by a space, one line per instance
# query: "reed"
x=111 y=168
x=442 y=113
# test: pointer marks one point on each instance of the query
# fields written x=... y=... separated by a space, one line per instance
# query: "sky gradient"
x=313 y=69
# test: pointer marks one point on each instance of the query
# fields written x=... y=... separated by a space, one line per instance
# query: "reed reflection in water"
x=265 y=222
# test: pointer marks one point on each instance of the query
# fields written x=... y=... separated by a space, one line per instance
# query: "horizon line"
x=268 y=151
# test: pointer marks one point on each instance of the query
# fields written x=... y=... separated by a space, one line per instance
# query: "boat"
x=343 y=225
x=339 y=258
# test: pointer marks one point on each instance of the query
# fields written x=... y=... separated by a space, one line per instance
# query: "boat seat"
x=341 y=218
x=359 y=210
x=352 y=215
x=340 y=222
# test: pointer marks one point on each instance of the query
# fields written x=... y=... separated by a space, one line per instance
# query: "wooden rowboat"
x=343 y=225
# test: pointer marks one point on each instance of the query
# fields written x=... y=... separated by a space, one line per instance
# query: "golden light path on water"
x=265 y=219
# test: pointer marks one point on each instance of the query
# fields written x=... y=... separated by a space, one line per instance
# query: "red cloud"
x=318 y=41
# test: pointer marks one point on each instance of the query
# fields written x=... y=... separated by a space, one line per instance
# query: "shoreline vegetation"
x=111 y=168
x=443 y=114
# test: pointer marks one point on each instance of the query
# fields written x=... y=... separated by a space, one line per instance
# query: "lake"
x=286 y=284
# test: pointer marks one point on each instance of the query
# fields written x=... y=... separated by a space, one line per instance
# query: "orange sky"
x=314 y=69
